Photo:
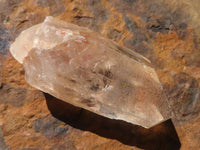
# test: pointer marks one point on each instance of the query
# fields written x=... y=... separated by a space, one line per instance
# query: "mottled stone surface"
x=2 y=142
x=4 y=40
x=50 y=127
x=10 y=95
x=162 y=31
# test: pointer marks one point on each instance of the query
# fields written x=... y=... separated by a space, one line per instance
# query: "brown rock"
x=166 y=34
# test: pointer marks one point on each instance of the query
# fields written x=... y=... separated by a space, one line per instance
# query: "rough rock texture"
x=2 y=142
x=83 y=68
x=160 y=30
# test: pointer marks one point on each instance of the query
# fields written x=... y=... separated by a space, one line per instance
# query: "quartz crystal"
x=87 y=70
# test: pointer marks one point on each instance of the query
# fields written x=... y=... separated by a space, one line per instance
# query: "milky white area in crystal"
x=83 y=68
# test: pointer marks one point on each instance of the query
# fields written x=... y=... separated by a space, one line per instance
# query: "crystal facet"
x=83 y=68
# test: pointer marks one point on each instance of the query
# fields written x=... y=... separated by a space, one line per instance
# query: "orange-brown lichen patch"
x=137 y=20
x=115 y=22
x=75 y=8
x=12 y=73
x=99 y=143
x=189 y=129
x=194 y=70
x=171 y=49
x=17 y=122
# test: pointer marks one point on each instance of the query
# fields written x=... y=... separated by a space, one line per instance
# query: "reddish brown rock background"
x=166 y=32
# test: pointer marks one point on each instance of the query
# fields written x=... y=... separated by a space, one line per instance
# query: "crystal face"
x=83 y=68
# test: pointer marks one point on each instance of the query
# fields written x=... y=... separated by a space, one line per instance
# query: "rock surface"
x=2 y=142
x=160 y=30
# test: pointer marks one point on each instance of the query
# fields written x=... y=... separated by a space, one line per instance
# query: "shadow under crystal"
x=162 y=136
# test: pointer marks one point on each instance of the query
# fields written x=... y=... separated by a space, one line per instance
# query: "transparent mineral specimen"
x=81 y=67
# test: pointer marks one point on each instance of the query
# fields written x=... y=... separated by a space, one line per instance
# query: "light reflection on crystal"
x=81 y=67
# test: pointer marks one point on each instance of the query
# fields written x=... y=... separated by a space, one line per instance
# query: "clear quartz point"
x=87 y=70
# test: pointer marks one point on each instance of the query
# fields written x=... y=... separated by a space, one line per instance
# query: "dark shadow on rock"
x=162 y=136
